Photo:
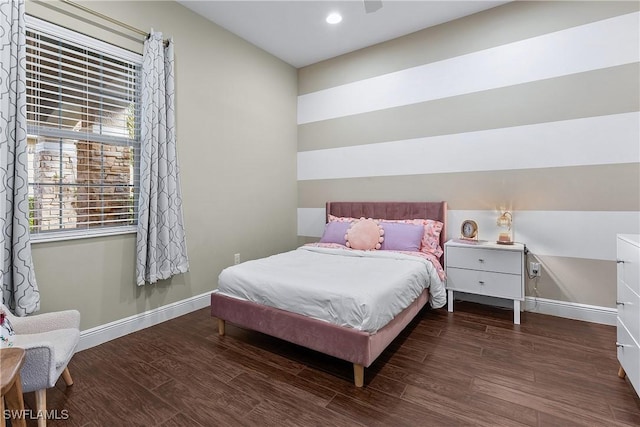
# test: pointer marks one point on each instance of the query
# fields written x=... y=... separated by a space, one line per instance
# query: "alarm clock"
x=469 y=230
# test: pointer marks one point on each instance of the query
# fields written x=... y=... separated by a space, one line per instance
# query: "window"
x=83 y=118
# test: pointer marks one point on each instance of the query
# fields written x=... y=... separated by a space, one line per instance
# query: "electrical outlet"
x=236 y=259
x=535 y=269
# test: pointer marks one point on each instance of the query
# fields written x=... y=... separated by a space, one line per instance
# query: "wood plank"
x=562 y=409
x=181 y=420
x=456 y=409
x=503 y=409
x=299 y=406
x=626 y=416
x=207 y=401
x=269 y=413
x=291 y=387
x=387 y=385
x=363 y=413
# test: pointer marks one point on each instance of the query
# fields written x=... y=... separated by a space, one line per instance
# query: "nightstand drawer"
x=485 y=283
x=499 y=261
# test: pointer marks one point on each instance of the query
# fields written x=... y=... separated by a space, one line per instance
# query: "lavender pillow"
x=402 y=236
x=334 y=232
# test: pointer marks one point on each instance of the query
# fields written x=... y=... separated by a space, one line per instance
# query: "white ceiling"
x=296 y=31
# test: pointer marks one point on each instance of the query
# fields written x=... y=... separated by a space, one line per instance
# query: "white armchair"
x=50 y=340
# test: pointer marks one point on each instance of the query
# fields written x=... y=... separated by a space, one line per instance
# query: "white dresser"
x=628 y=303
x=486 y=268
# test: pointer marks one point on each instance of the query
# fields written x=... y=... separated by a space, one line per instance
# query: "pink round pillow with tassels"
x=364 y=234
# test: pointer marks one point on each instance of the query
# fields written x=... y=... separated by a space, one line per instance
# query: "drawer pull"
x=620 y=261
x=480 y=260
x=619 y=345
x=619 y=303
x=481 y=282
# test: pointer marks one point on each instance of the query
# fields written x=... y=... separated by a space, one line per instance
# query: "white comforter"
x=359 y=289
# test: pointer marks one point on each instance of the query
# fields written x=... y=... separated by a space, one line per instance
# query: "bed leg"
x=220 y=327
x=621 y=372
x=358 y=375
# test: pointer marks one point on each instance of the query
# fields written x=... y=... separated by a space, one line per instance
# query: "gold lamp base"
x=504 y=239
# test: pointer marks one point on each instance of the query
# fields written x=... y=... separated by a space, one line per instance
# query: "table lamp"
x=504 y=220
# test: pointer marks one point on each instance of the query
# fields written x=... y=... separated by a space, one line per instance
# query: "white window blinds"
x=83 y=131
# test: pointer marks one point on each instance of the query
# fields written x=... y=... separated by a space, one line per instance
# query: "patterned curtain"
x=19 y=289
x=161 y=246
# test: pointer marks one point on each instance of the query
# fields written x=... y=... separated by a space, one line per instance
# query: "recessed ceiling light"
x=334 y=18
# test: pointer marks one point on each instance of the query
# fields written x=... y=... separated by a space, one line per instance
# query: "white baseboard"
x=568 y=310
x=572 y=310
x=116 y=329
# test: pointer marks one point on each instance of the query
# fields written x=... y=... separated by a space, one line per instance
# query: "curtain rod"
x=105 y=17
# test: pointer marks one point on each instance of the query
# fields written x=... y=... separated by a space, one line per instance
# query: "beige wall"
x=236 y=124
x=537 y=118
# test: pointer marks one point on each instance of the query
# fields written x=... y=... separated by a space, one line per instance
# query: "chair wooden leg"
x=66 y=376
x=41 y=407
x=15 y=402
x=220 y=327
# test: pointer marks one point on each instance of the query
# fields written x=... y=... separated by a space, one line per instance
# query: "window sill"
x=56 y=236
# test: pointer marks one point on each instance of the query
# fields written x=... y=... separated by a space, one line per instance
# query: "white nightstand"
x=486 y=268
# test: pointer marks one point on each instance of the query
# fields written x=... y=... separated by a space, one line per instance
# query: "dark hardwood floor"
x=471 y=367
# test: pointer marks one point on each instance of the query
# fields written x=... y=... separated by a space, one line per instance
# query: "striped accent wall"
x=531 y=106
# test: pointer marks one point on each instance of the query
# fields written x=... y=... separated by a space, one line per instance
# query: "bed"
x=358 y=343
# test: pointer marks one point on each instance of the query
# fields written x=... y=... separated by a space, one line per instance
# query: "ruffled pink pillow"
x=333 y=218
x=365 y=234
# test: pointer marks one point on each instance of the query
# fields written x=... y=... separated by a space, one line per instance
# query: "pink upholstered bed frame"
x=358 y=347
